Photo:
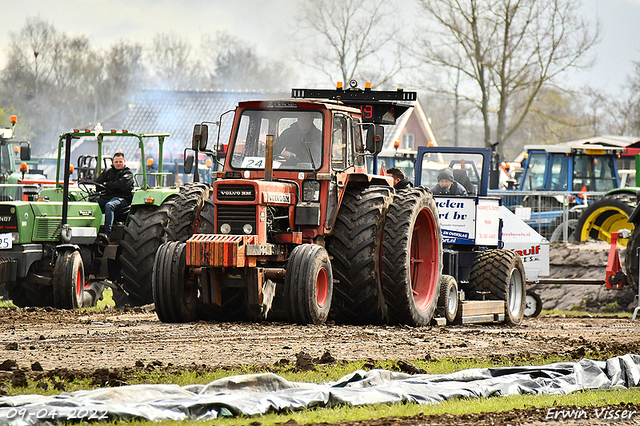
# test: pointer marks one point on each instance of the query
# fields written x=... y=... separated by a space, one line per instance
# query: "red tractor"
x=297 y=227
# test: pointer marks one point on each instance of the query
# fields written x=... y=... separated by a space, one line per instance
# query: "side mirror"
x=188 y=164
x=25 y=151
x=200 y=137
x=375 y=138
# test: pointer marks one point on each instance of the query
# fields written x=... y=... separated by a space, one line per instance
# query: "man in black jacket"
x=447 y=185
x=118 y=179
x=400 y=181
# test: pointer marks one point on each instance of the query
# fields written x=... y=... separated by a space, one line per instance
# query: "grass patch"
x=326 y=373
x=580 y=313
x=6 y=303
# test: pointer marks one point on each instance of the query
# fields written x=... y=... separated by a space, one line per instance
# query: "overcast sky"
x=261 y=23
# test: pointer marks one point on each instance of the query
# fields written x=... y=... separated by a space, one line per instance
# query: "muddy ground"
x=49 y=347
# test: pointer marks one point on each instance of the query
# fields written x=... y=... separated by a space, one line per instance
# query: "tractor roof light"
x=24 y=167
x=149 y=162
x=14 y=119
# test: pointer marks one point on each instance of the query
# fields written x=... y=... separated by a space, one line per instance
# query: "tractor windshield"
x=594 y=173
x=466 y=167
x=297 y=140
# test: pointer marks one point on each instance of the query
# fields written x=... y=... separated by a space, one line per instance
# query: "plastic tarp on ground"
x=262 y=393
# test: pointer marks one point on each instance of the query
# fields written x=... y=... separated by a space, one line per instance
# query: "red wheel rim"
x=79 y=283
x=322 y=287
x=425 y=259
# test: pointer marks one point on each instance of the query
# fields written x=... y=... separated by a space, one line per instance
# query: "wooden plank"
x=481 y=307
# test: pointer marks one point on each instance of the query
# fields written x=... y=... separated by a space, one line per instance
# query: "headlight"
x=310 y=190
x=225 y=228
x=247 y=229
x=15 y=237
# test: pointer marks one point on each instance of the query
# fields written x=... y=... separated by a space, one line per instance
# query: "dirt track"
x=39 y=343
x=108 y=346
x=74 y=340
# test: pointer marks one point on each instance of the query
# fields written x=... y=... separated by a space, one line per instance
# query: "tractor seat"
x=461 y=176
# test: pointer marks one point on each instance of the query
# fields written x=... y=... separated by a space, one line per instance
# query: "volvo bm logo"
x=235 y=192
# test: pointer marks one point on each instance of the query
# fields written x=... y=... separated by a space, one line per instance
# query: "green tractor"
x=50 y=253
x=16 y=182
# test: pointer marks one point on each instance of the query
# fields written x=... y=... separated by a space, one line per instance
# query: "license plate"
x=5 y=241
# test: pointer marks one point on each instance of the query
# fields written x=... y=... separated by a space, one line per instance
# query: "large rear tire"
x=148 y=227
x=412 y=257
x=355 y=249
x=175 y=290
x=605 y=216
x=500 y=273
x=68 y=281
x=308 y=285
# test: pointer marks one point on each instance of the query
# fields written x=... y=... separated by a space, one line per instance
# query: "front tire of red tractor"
x=412 y=257
x=68 y=281
x=500 y=273
x=148 y=227
x=355 y=249
x=175 y=291
x=308 y=285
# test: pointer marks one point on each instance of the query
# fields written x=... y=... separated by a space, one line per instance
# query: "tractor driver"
x=293 y=143
x=447 y=185
x=119 y=182
x=400 y=181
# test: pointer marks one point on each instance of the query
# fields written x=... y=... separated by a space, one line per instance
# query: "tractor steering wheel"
x=93 y=189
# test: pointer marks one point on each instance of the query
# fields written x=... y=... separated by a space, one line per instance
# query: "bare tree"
x=170 y=63
x=611 y=114
x=231 y=63
x=51 y=79
x=124 y=74
x=634 y=100
x=353 y=38
x=504 y=48
x=555 y=116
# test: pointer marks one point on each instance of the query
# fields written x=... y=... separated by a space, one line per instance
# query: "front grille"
x=47 y=229
x=236 y=217
x=236 y=193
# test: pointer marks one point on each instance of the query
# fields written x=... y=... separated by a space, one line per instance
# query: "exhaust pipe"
x=268 y=158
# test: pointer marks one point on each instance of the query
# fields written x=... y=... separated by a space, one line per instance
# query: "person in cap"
x=400 y=181
x=447 y=185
